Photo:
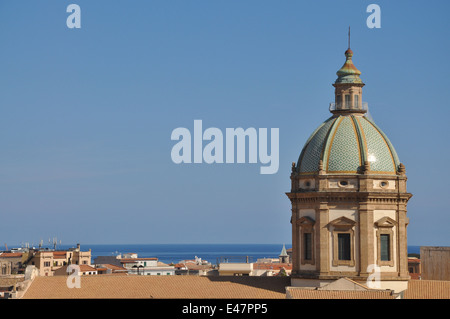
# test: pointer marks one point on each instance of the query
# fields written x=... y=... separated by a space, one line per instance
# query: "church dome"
x=348 y=144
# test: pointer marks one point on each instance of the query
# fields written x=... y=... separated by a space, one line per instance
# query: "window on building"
x=145 y=263
x=385 y=241
x=84 y=262
x=385 y=247
x=344 y=246
x=305 y=226
x=307 y=246
x=356 y=101
x=347 y=100
x=339 y=100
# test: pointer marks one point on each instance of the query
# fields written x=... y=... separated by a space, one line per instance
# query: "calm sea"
x=169 y=253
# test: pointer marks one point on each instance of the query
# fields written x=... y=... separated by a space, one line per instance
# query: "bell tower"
x=348 y=196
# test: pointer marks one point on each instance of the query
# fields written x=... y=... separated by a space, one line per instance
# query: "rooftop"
x=427 y=289
x=301 y=293
x=222 y=287
x=112 y=267
x=84 y=268
x=134 y=260
x=10 y=255
x=167 y=287
x=273 y=266
x=9 y=281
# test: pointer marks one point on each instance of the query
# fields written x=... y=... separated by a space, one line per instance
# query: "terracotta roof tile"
x=84 y=268
x=301 y=293
x=273 y=266
x=189 y=287
x=9 y=281
x=197 y=267
x=10 y=255
x=113 y=267
x=427 y=289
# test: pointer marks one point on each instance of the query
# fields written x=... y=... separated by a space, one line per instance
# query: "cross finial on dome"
x=348 y=73
x=349 y=37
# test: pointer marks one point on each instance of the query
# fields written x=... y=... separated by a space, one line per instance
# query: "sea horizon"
x=173 y=253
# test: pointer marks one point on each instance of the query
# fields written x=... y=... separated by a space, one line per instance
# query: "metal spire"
x=349 y=37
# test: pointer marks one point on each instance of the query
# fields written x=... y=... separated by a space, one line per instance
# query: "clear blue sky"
x=86 y=115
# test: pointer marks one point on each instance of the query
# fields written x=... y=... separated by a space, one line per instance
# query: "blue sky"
x=86 y=114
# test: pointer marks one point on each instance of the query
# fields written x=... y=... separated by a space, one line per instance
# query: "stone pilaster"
x=402 y=242
x=322 y=246
x=295 y=250
x=366 y=239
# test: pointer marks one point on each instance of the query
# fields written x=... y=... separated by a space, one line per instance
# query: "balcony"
x=349 y=106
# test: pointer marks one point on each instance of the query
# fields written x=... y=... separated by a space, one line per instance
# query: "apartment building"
x=47 y=261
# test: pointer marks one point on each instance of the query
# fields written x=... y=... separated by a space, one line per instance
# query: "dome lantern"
x=348 y=88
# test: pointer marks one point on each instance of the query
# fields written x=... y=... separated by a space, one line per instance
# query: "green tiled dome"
x=344 y=144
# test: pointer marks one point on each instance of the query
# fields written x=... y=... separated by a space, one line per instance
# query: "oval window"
x=343 y=183
x=307 y=184
x=384 y=184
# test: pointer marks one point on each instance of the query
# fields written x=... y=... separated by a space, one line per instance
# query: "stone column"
x=352 y=99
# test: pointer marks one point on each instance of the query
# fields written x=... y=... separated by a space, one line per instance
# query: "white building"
x=146 y=266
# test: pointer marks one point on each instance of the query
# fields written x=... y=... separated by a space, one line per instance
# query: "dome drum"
x=348 y=183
